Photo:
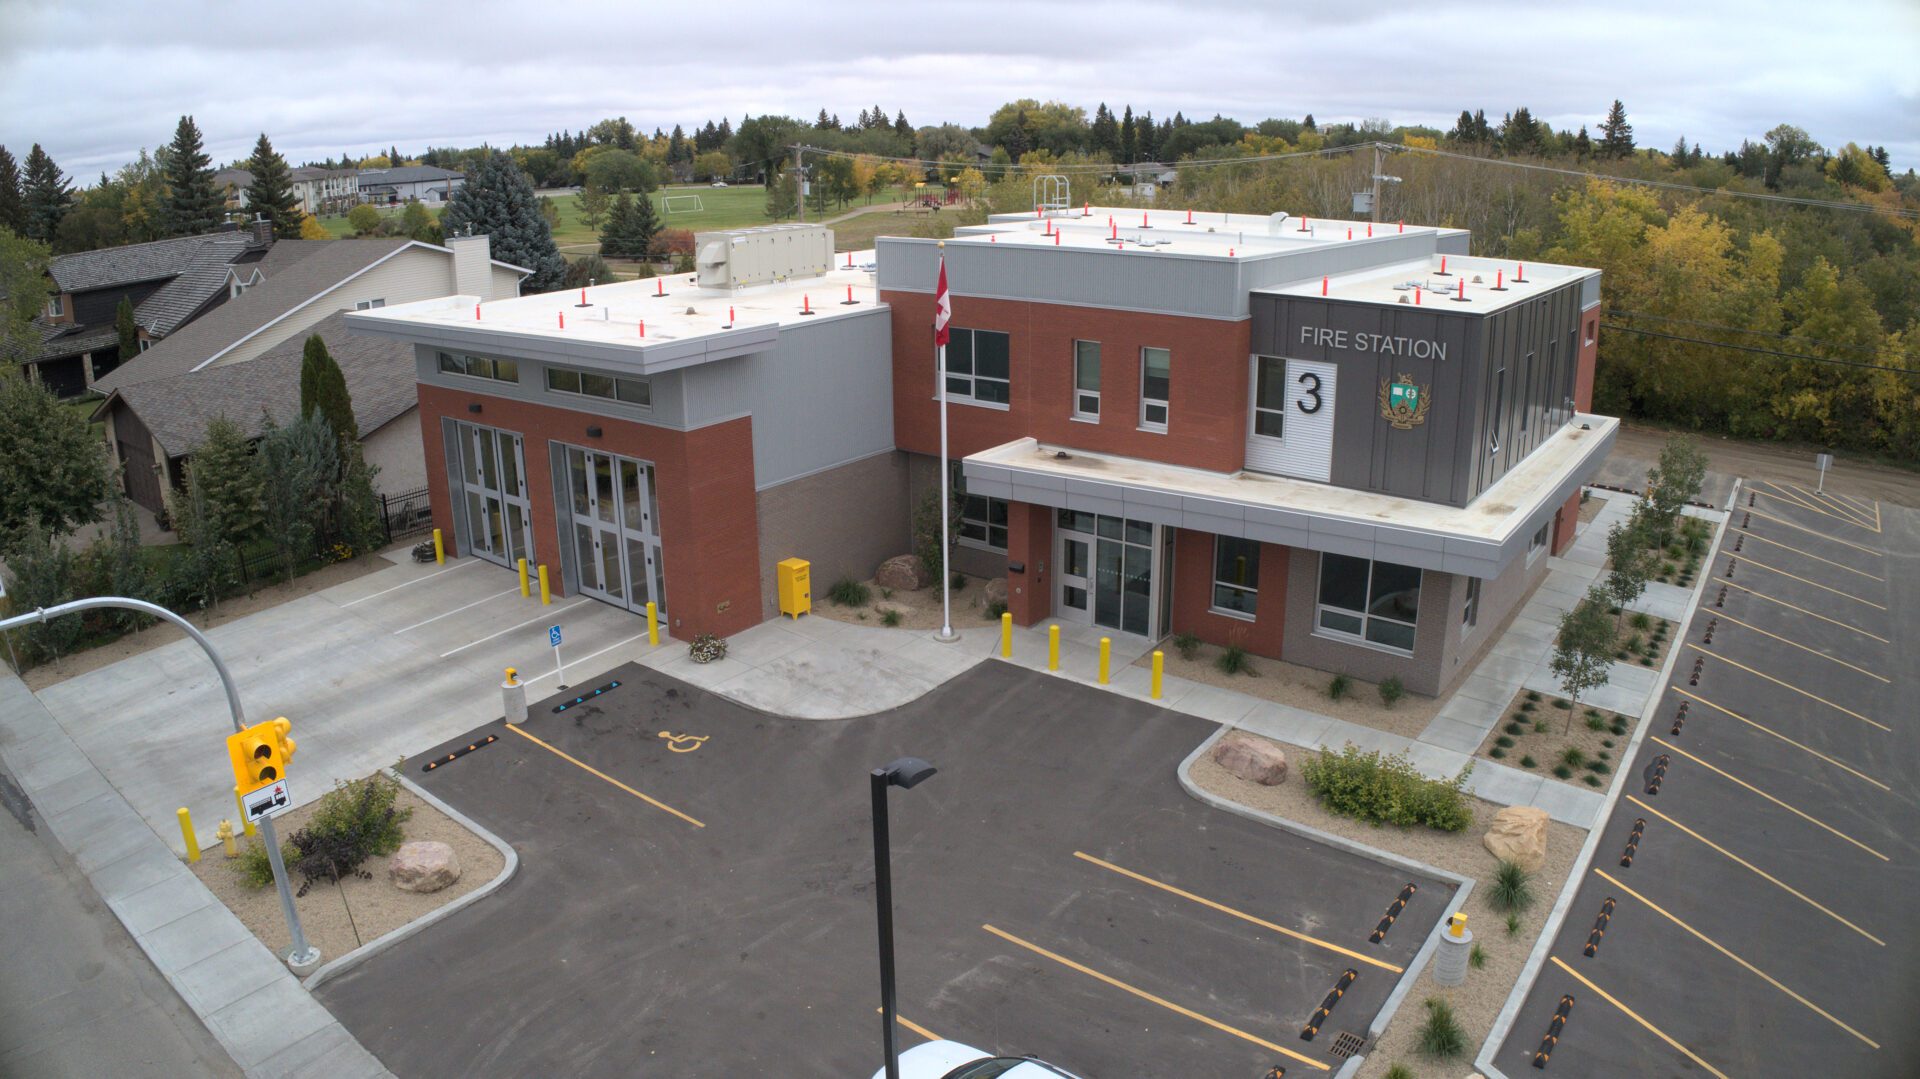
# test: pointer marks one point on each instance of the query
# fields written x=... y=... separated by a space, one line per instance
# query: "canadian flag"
x=942 y=308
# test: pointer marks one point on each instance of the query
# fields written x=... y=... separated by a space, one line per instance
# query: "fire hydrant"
x=225 y=832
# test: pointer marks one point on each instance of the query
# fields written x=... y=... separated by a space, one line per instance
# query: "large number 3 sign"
x=1312 y=383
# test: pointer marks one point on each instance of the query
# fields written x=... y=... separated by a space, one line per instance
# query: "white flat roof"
x=1186 y=232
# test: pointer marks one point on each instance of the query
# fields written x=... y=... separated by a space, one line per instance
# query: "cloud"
x=95 y=81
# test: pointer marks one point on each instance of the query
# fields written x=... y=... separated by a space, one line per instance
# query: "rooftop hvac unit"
x=760 y=255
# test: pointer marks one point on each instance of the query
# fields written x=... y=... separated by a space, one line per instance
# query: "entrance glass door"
x=615 y=526
x=493 y=492
x=1113 y=587
x=1075 y=561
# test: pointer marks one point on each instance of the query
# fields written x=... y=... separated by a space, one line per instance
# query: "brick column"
x=1030 y=541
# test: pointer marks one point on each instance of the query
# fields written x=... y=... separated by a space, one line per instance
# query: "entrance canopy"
x=1477 y=540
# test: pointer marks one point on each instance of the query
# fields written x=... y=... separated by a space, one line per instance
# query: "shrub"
x=1593 y=713
x=706 y=647
x=1595 y=723
x=1619 y=726
x=1186 y=644
x=1598 y=767
x=1668 y=569
x=1563 y=771
x=847 y=592
x=889 y=617
x=1572 y=757
x=1513 y=924
x=1516 y=728
x=1603 y=754
x=1233 y=660
x=363 y=218
x=886 y=593
x=355 y=821
x=1391 y=691
x=958 y=582
x=1477 y=958
x=1635 y=644
x=1563 y=705
x=1608 y=742
x=1512 y=887
x=1440 y=1035
x=1540 y=726
x=1337 y=688
x=1497 y=753
x=1591 y=780
x=1640 y=620
x=1399 y=1071
x=1528 y=762
x=926 y=531
x=1646 y=661
x=995 y=610
x=1503 y=742
x=1380 y=789
x=1533 y=694
x=1527 y=706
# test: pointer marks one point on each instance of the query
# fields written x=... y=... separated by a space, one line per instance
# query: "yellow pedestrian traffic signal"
x=260 y=753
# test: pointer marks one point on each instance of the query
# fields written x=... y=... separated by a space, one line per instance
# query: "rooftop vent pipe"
x=1274 y=222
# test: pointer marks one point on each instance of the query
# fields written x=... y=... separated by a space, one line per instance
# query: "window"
x=1470 y=611
x=630 y=389
x=56 y=305
x=1376 y=602
x=1086 y=380
x=1592 y=325
x=368 y=305
x=983 y=520
x=1156 y=378
x=1236 y=575
x=1538 y=543
x=145 y=344
x=480 y=367
x=978 y=367
x=1270 y=398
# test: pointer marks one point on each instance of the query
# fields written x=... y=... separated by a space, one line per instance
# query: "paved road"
x=77 y=995
x=1766 y=923
x=634 y=941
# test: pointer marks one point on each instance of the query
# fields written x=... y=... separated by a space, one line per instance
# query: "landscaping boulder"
x=423 y=867
x=995 y=592
x=1253 y=759
x=903 y=573
x=1519 y=835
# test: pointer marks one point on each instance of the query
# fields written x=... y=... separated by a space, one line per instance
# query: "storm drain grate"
x=1347 y=1044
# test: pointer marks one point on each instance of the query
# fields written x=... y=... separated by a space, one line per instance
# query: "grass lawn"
x=82 y=405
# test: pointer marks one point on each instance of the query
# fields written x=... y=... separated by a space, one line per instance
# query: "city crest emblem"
x=1402 y=403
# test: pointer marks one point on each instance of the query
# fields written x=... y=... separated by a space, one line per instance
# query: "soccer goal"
x=683 y=204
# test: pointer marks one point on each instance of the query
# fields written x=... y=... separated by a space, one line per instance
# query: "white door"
x=1290 y=429
x=1073 y=557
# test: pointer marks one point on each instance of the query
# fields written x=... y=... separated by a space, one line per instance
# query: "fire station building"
x=1342 y=445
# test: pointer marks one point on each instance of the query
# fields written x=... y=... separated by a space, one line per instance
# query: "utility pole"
x=800 y=182
x=1376 y=184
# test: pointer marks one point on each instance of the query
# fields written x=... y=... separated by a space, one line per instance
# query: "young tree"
x=41 y=571
x=1629 y=549
x=210 y=565
x=23 y=295
x=363 y=219
x=221 y=472
x=1674 y=482
x=53 y=468
x=116 y=565
x=1583 y=649
x=126 y=329
x=192 y=204
x=1616 y=135
x=415 y=221
x=783 y=196
x=497 y=201
x=296 y=467
x=615 y=234
x=312 y=229
x=47 y=195
x=594 y=204
x=272 y=190
x=13 y=206
x=323 y=389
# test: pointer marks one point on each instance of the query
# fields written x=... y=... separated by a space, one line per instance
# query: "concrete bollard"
x=1053 y=647
x=1159 y=669
x=439 y=556
x=653 y=623
x=525 y=590
x=1456 y=944
x=186 y=832
x=1006 y=634
x=1106 y=658
x=513 y=698
x=244 y=822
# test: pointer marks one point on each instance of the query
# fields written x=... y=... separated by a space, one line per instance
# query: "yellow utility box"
x=794 y=580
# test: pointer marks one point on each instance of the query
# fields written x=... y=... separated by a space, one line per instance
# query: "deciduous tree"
x=1583 y=648
x=53 y=467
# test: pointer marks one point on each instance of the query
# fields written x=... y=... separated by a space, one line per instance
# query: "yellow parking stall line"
x=1783 y=496
x=591 y=770
x=1815 y=531
x=1796 y=812
x=1635 y=1016
x=1827 y=498
x=1803 y=610
x=1718 y=947
x=1749 y=560
x=1750 y=534
x=1796 y=689
x=1242 y=915
x=1823 y=499
x=1150 y=998
x=1729 y=618
x=911 y=1025
x=1860 y=504
x=1782 y=737
x=1757 y=871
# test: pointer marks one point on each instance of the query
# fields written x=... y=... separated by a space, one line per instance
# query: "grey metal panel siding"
x=668 y=394
x=1203 y=285
x=1533 y=341
x=822 y=398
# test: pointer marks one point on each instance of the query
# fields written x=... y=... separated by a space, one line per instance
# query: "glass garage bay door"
x=614 y=530
x=491 y=494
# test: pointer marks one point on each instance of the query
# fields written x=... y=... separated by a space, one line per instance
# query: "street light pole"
x=904 y=773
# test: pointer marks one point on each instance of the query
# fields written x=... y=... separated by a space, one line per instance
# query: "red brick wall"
x=1207 y=415
x=1193 y=596
x=1030 y=540
x=1589 y=353
x=708 y=531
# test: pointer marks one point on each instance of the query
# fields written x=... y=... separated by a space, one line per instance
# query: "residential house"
x=326 y=191
x=409 y=183
x=243 y=361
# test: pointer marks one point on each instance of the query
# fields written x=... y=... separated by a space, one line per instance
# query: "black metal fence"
x=405 y=513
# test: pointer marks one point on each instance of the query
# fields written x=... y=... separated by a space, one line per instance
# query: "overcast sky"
x=94 y=81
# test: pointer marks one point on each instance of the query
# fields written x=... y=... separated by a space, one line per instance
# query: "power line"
x=1873 y=350
x=1059 y=167
x=1760 y=351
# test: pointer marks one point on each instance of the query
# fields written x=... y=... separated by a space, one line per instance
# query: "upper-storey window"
x=1156 y=381
x=1270 y=398
x=480 y=367
x=1086 y=380
x=979 y=367
x=368 y=305
x=56 y=305
x=632 y=390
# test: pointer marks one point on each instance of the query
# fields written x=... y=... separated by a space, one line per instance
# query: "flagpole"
x=946 y=498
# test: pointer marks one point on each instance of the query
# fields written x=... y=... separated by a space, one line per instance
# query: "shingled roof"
x=84 y=271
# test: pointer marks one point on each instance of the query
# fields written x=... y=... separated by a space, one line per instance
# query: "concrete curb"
x=354 y=958
x=1537 y=958
x=1465 y=884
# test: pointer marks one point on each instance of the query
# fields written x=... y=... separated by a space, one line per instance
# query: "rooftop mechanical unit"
x=760 y=255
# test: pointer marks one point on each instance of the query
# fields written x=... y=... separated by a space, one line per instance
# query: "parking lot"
x=1765 y=925
x=695 y=897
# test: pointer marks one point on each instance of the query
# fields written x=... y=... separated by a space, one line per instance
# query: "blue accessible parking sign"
x=553 y=636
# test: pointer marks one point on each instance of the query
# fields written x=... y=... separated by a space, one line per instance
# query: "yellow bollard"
x=546 y=594
x=524 y=589
x=186 y=832
x=243 y=812
x=653 y=623
x=1106 y=657
x=1053 y=647
x=1159 y=666
x=439 y=556
x=226 y=837
x=1006 y=634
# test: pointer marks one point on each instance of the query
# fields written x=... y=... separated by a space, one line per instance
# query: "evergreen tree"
x=497 y=201
x=323 y=389
x=192 y=205
x=272 y=190
x=614 y=234
x=1616 y=135
x=1679 y=153
x=13 y=206
x=1105 y=133
x=126 y=329
x=1305 y=125
x=296 y=469
x=1018 y=140
x=1582 y=143
x=1128 y=140
x=222 y=469
x=1149 y=138
x=677 y=150
x=47 y=195
x=900 y=125
x=645 y=224
x=393 y=157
